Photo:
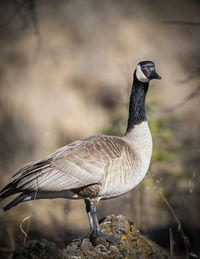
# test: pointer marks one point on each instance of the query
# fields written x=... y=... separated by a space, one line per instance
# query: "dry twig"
x=180 y=229
x=25 y=232
x=186 y=99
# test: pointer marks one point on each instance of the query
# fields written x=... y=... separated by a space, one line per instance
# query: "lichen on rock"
x=132 y=244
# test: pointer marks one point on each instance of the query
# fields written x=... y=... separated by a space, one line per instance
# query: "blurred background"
x=66 y=72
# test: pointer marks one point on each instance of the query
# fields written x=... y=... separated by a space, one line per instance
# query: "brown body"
x=98 y=167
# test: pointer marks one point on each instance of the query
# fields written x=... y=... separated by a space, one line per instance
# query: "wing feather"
x=78 y=164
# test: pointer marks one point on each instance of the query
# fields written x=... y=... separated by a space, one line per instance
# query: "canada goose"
x=94 y=168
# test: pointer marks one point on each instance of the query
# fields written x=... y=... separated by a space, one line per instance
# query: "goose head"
x=145 y=71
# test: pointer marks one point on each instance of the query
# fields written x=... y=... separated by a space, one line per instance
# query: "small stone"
x=100 y=241
x=101 y=249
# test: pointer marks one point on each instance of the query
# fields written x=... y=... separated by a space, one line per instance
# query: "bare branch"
x=185 y=100
x=16 y=11
x=26 y=8
x=193 y=74
x=184 y=23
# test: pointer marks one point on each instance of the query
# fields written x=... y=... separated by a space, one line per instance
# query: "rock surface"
x=132 y=244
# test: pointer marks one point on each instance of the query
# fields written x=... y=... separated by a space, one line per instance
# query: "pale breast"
x=125 y=172
x=140 y=140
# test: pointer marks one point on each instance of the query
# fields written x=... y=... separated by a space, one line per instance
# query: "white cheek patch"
x=140 y=75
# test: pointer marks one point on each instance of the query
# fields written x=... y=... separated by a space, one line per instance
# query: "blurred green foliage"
x=117 y=125
x=163 y=137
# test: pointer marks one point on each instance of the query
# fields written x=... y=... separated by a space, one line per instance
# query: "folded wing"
x=78 y=164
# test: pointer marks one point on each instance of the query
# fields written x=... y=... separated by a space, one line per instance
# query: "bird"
x=94 y=168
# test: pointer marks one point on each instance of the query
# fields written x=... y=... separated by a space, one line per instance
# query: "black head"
x=145 y=71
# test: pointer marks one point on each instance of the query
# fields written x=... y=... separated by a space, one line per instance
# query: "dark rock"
x=38 y=249
x=132 y=244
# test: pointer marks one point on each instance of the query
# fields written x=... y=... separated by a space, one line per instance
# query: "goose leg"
x=94 y=224
x=87 y=206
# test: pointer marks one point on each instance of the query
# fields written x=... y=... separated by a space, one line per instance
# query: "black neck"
x=137 y=104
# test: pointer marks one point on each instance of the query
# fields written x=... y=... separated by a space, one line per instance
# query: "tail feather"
x=8 y=193
x=22 y=177
x=13 y=187
x=8 y=186
x=14 y=202
x=34 y=195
